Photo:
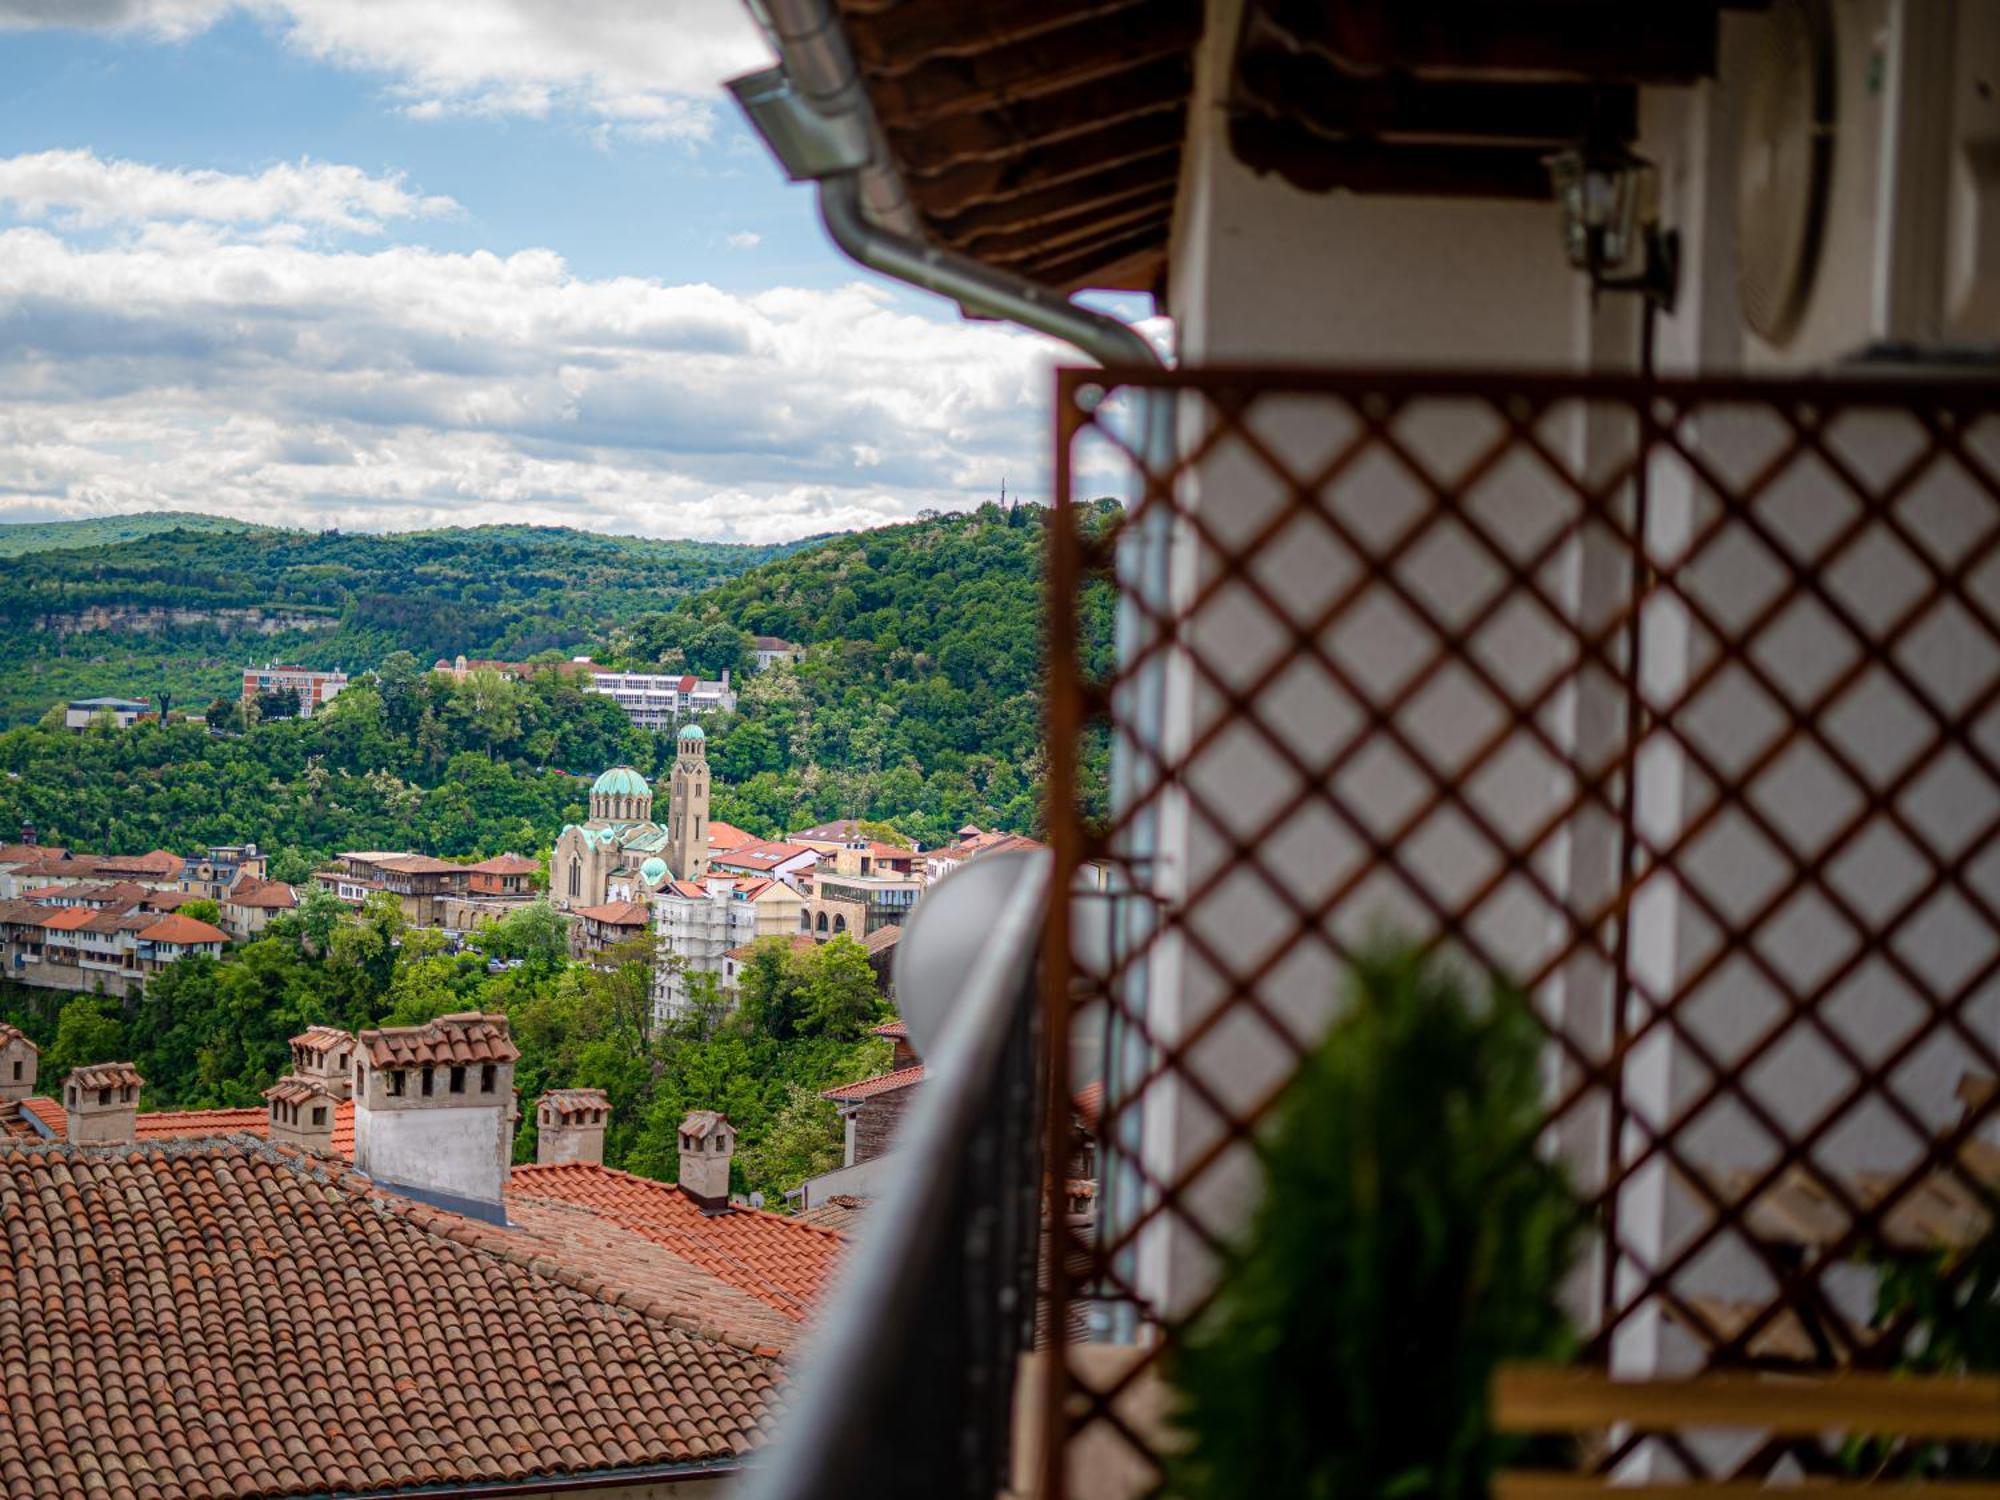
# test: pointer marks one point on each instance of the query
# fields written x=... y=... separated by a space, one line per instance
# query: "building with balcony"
x=421 y=885
x=213 y=872
x=698 y=924
x=659 y=702
x=858 y=905
x=312 y=687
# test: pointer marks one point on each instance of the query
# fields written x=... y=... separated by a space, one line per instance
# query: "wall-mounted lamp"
x=1609 y=200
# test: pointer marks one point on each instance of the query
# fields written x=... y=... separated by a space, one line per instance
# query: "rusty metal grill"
x=1674 y=701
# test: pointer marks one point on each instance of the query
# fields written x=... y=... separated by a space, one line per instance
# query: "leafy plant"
x=1410 y=1239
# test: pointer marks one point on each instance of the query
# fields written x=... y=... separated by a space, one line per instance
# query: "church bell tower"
x=687 y=815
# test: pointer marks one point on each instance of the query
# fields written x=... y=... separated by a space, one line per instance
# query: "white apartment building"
x=658 y=701
x=699 y=923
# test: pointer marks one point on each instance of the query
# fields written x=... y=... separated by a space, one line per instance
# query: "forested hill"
x=106 y=531
x=918 y=703
x=179 y=612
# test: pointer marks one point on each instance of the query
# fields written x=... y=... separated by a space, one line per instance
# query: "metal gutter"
x=814 y=114
x=545 y=1484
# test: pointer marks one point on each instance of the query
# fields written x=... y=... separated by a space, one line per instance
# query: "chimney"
x=569 y=1126
x=434 y=1111
x=302 y=1114
x=101 y=1101
x=18 y=1060
x=325 y=1056
x=708 y=1141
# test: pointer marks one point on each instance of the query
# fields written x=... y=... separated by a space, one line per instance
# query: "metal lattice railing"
x=1678 y=702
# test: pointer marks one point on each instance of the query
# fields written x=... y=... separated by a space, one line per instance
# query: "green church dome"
x=621 y=781
x=693 y=732
x=653 y=871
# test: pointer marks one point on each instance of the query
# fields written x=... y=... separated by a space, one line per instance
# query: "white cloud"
x=82 y=190
x=647 y=67
x=282 y=382
x=743 y=239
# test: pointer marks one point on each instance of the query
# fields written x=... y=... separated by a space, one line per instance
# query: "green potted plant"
x=1410 y=1239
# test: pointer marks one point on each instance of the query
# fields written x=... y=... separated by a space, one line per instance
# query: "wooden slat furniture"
x=1530 y=1399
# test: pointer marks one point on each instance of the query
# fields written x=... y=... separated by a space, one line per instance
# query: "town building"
x=460 y=667
x=776 y=858
x=434 y=1110
x=771 y=650
x=722 y=837
x=313 y=688
x=119 y=713
x=249 y=905
x=422 y=886
x=970 y=843
x=215 y=872
x=620 y=852
x=859 y=905
x=698 y=923
x=493 y=888
x=611 y=925
x=659 y=701
x=103 y=936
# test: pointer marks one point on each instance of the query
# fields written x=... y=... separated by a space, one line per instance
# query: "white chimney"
x=434 y=1110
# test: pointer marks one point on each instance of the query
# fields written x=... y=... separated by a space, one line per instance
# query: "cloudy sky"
x=379 y=264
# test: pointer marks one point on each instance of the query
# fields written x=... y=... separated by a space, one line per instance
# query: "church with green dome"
x=621 y=853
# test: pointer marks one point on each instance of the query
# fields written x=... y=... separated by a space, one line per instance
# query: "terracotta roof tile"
x=507 y=864
x=574 y=1104
x=1089 y=1104
x=841 y=1213
x=896 y=1031
x=180 y=929
x=617 y=913
x=465 y=1037
x=726 y=836
x=267 y=895
x=106 y=1075
x=296 y=1090
x=208 y=1322
x=11 y=1034
x=69 y=918
x=320 y=1038
x=781 y=1262
x=882 y=1083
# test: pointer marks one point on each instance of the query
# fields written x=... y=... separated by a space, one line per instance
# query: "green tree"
x=802 y=1140
x=202 y=910
x=86 y=1032
x=841 y=997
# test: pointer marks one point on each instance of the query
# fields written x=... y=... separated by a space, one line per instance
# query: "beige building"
x=700 y=922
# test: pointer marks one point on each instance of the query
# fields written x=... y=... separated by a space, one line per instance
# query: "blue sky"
x=387 y=263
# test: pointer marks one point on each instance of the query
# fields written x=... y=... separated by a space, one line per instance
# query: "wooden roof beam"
x=1061 y=203
x=1076 y=56
x=1448 y=171
x=891 y=42
x=1013 y=129
x=988 y=182
x=1319 y=98
x=1154 y=207
x=1117 y=263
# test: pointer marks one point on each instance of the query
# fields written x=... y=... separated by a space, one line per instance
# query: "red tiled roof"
x=882 y=939
x=616 y=913
x=463 y=1037
x=69 y=918
x=190 y=1124
x=12 y=1034
x=881 y=1083
x=896 y=1031
x=765 y=855
x=158 y=863
x=29 y=854
x=507 y=864
x=415 y=864
x=839 y=1213
x=687 y=889
x=271 y=895
x=106 y=1075
x=216 y=1323
x=779 y=1261
x=723 y=837
x=180 y=929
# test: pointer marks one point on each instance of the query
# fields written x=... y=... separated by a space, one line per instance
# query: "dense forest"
x=212 y=1033
x=179 y=613
x=106 y=531
x=917 y=703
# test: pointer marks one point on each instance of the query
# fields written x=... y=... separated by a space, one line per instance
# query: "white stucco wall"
x=459 y=1149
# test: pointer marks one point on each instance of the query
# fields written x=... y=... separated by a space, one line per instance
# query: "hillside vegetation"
x=105 y=531
x=505 y=591
x=918 y=703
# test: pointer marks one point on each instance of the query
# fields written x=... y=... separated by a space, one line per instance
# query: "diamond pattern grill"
x=1678 y=702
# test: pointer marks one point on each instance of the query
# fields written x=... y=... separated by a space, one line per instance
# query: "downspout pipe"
x=814 y=114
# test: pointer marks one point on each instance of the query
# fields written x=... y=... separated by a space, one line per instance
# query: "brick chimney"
x=101 y=1101
x=434 y=1110
x=325 y=1054
x=302 y=1112
x=19 y=1058
x=708 y=1142
x=569 y=1126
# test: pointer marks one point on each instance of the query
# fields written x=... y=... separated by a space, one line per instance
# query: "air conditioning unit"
x=1867 y=189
